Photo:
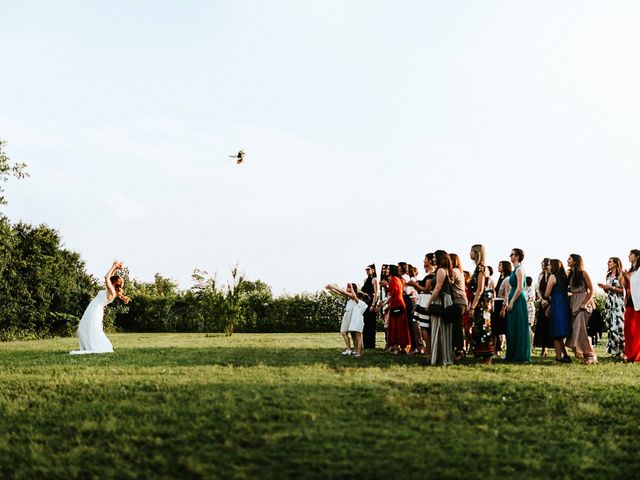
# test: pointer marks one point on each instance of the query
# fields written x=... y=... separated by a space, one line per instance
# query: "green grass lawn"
x=288 y=405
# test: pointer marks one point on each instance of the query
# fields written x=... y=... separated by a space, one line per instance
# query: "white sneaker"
x=347 y=352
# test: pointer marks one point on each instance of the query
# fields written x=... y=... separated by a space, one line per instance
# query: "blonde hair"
x=479 y=253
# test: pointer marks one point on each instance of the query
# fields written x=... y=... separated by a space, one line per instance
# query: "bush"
x=44 y=290
x=43 y=286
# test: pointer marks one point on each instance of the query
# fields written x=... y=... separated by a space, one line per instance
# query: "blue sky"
x=374 y=131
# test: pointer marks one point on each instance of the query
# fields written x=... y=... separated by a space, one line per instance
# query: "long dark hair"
x=635 y=267
x=545 y=274
x=394 y=271
x=455 y=261
x=444 y=261
x=383 y=272
x=373 y=267
x=117 y=283
x=576 y=275
x=617 y=264
x=557 y=269
x=506 y=268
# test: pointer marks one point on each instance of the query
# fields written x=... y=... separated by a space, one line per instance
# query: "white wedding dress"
x=90 y=332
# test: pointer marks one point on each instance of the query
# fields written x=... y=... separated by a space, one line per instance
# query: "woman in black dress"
x=370 y=287
x=543 y=333
x=498 y=320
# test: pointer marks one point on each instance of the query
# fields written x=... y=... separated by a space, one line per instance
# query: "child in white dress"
x=353 y=317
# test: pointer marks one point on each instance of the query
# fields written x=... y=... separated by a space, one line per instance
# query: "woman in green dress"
x=518 y=332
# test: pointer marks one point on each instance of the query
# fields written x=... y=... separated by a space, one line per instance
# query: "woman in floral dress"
x=614 y=307
x=480 y=307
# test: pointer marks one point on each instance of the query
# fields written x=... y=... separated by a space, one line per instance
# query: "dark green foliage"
x=600 y=299
x=241 y=305
x=250 y=311
x=44 y=288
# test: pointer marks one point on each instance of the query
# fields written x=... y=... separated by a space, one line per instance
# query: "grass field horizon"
x=288 y=405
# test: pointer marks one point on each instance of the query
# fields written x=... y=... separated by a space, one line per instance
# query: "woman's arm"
x=111 y=291
x=519 y=287
x=479 y=291
x=374 y=301
x=550 y=284
x=505 y=304
x=339 y=291
x=419 y=287
x=590 y=292
x=539 y=292
x=428 y=286
x=124 y=298
x=440 y=276
x=610 y=288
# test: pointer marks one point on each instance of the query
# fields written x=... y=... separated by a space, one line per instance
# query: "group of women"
x=450 y=313
x=573 y=293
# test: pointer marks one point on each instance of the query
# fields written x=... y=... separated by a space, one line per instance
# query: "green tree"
x=43 y=287
x=161 y=286
x=9 y=169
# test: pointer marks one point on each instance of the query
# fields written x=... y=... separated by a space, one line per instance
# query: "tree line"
x=44 y=289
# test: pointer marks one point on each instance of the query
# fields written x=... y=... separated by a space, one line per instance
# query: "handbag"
x=444 y=306
x=396 y=310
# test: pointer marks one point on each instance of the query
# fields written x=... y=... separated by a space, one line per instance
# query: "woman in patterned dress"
x=614 y=307
x=480 y=307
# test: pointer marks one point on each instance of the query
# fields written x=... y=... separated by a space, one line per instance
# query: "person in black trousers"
x=370 y=287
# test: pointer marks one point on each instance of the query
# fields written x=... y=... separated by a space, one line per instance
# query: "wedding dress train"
x=90 y=331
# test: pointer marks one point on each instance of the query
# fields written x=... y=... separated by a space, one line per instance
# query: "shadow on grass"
x=211 y=356
x=239 y=357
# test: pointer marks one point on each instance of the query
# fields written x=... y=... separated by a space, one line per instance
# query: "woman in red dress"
x=631 y=315
x=399 y=337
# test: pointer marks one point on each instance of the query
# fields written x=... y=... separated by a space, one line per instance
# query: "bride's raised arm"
x=111 y=291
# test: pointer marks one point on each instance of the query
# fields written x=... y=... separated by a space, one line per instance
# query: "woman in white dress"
x=90 y=331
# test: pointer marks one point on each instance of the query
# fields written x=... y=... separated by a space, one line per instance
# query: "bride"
x=90 y=332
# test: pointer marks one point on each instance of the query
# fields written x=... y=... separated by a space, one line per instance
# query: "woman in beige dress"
x=581 y=303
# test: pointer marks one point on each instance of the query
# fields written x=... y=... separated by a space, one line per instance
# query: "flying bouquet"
x=239 y=157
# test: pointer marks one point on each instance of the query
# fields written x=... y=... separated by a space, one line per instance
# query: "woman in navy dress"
x=557 y=294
